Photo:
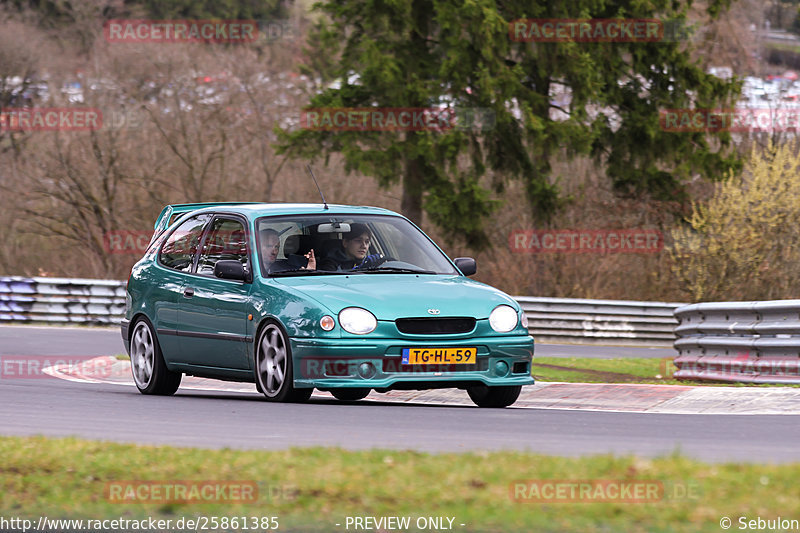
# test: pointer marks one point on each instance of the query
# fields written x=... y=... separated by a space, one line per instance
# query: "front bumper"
x=376 y=363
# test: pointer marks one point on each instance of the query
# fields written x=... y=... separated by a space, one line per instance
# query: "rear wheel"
x=273 y=367
x=485 y=396
x=150 y=372
x=350 y=395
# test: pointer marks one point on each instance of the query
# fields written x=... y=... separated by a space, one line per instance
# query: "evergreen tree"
x=414 y=53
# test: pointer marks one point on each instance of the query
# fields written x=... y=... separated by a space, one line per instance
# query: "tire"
x=485 y=396
x=273 y=366
x=350 y=395
x=150 y=372
x=300 y=395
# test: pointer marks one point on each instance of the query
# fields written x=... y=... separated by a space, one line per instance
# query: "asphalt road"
x=53 y=407
x=58 y=408
x=57 y=340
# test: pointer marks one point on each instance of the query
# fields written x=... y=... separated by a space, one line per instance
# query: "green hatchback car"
x=294 y=297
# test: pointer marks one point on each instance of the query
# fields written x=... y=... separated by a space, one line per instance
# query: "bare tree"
x=21 y=49
x=76 y=182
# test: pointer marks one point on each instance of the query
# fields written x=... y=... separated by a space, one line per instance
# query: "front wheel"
x=150 y=372
x=274 y=369
x=485 y=396
x=350 y=395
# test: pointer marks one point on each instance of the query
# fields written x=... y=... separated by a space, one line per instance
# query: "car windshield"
x=338 y=244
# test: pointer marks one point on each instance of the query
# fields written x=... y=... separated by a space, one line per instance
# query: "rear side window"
x=226 y=240
x=181 y=246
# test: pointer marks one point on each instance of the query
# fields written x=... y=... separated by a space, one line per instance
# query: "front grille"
x=435 y=326
x=394 y=365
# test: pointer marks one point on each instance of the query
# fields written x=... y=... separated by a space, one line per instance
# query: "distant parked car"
x=228 y=291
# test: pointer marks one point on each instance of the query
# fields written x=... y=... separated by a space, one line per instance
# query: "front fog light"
x=357 y=321
x=366 y=370
x=503 y=319
x=501 y=368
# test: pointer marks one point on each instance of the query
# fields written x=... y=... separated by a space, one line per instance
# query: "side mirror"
x=466 y=265
x=230 y=269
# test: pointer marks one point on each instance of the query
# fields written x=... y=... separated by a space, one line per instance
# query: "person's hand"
x=312 y=261
x=371 y=261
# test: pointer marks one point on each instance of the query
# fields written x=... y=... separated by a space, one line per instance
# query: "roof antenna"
x=308 y=167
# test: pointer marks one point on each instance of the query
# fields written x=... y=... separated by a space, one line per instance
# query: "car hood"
x=392 y=296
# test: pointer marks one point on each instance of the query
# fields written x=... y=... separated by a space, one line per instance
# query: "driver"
x=353 y=253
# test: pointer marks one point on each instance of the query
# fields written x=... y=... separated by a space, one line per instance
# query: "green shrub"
x=744 y=243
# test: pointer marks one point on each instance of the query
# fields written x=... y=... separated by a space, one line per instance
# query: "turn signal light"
x=327 y=323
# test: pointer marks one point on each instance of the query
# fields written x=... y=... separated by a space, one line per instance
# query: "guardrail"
x=90 y=301
x=584 y=321
x=751 y=342
x=61 y=300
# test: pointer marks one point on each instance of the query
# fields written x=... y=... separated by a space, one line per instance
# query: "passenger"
x=352 y=255
x=270 y=246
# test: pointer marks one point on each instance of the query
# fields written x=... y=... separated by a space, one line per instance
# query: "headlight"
x=523 y=321
x=357 y=321
x=503 y=319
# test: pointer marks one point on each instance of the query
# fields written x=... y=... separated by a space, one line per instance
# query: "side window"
x=181 y=246
x=276 y=241
x=226 y=240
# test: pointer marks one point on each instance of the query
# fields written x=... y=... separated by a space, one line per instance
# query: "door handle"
x=188 y=292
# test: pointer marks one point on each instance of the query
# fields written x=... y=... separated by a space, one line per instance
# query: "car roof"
x=173 y=213
x=252 y=211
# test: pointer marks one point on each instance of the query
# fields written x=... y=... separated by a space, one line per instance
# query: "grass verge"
x=316 y=488
x=591 y=370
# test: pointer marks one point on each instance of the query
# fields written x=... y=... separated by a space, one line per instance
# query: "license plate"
x=438 y=356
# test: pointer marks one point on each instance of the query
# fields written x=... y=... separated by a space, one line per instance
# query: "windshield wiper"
x=394 y=270
x=305 y=272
